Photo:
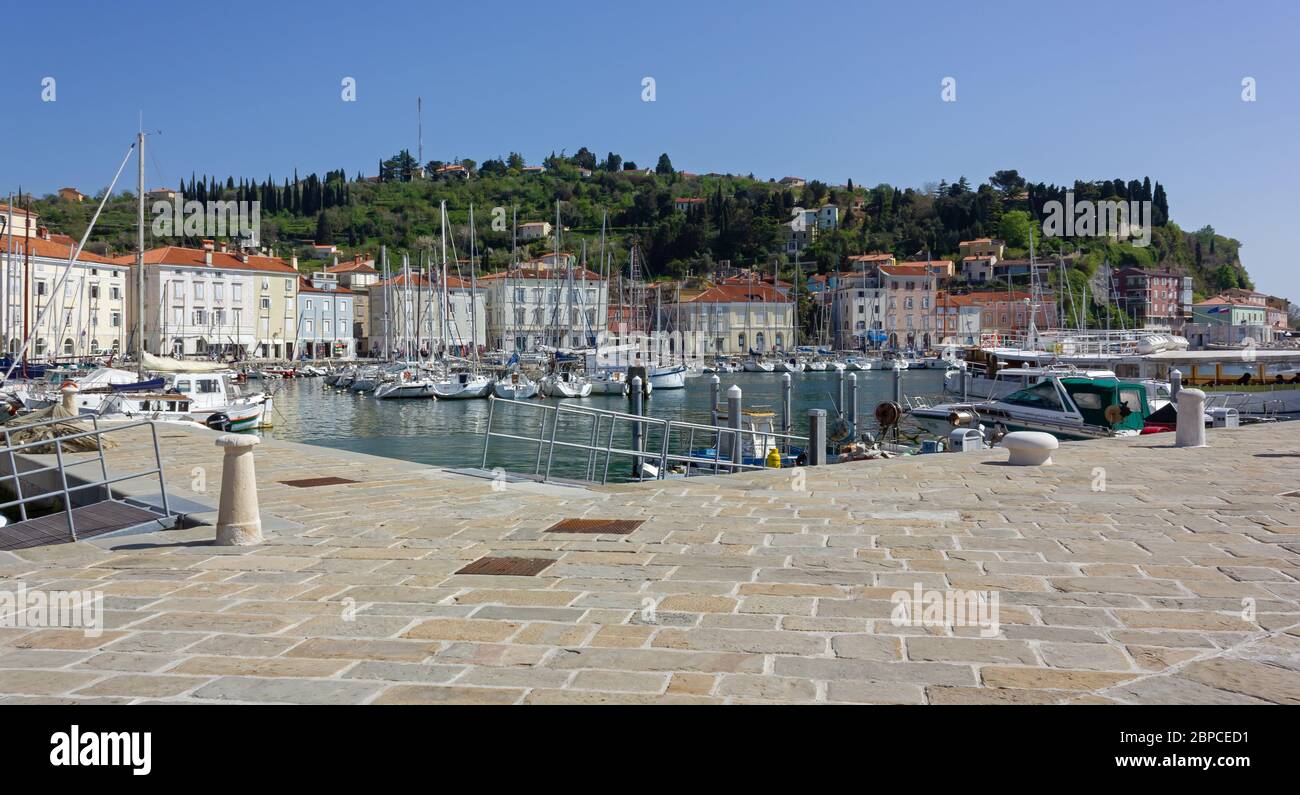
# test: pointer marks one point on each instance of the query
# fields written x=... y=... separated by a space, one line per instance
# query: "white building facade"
x=539 y=306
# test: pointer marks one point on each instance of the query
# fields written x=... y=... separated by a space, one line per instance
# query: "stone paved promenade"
x=771 y=587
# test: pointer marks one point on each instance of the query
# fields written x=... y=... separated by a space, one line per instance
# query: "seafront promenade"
x=1128 y=572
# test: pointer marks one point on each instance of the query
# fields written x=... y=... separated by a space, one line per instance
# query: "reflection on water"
x=449 y=433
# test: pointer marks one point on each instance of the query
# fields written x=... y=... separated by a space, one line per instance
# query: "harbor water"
x=450 y=433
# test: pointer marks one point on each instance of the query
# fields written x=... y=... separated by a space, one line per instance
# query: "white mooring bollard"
x=239 y=523
x=1191 y=418
x=69 y=394
x=1030 y=448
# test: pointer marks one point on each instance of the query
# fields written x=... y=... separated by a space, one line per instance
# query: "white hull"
x=755 y=366
x=671 y=378
x=786 y=367
x=817 y=367
x=511 y=388
x=471 y=387
x=556 y=387
x=394 y=390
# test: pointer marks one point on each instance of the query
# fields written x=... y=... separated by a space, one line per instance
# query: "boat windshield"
x=1042 y=395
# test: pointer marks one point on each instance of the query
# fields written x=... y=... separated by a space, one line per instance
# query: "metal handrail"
x=547 y=442
x=62 y=466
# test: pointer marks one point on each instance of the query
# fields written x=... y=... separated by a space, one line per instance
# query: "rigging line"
x=67 y=269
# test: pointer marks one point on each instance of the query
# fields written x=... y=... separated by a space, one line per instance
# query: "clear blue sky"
x=820 y=90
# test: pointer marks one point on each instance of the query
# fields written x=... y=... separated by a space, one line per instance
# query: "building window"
x=198 y=290
x=266 y=303
x=116 y=319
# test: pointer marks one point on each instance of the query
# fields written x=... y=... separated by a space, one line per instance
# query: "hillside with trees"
x=742 y=219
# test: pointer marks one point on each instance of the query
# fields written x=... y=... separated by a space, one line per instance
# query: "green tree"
x=1014 y=228
x=664 y=166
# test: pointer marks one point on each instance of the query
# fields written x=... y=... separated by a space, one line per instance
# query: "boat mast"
x=139 y=257
x=473 y=291
x=446 y=326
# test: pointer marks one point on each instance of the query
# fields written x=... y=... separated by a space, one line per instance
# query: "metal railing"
x=659 y=454
x=62 y=464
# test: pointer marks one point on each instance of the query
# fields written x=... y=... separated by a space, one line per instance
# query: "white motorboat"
x=566 y=385
x=758 y=366
x=791 y=366
x=838 y=367
x=206 y=398
x=614 y=382
x=817 y=366
x=463 y=386
x=514 y=386
x=855 y=363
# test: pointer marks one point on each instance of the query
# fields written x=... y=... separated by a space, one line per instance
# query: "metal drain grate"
x=307 y=483
x=507 y=567
x=610 y=526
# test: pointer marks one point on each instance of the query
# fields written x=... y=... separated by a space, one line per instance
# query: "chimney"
x=207 y=245
x=43 y=232
x=207 y=257
x=293 y=261
x=224 y=249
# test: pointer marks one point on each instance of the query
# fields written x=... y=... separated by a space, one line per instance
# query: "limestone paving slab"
x=1179 y=582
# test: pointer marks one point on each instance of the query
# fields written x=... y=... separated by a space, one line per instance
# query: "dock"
x=1128 y=572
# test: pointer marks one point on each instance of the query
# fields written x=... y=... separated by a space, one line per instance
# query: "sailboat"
x=461 y=385
x=566 y=384
x=514 y=386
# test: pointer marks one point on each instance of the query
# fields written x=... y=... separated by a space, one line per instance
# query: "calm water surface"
x=449 y=433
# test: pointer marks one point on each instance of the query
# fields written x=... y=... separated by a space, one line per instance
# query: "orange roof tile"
x=54 y=249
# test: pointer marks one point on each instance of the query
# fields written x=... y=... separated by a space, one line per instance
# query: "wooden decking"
x=90 y=520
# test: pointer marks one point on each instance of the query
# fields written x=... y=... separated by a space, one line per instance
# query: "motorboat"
x=755 y=365
x=1092 y=404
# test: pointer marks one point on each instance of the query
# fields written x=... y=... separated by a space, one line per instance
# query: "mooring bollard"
x=1175 y=383
x=787 y=414
x=816 y=437
x=239 y=523
x=962 y=369
x=1191 y=419
x=69 y=394
x=638 y=401
x=734 y=396
x=853 y=401
x=898 y=383
x=715 y=389
x=1030 y=448
x=843 y=378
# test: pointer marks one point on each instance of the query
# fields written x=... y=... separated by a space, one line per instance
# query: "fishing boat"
x=514 y=386
x=208 y=398
x=566 y=384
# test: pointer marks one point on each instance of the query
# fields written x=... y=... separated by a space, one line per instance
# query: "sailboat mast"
x=473 y=291
x=139 y=257
x=446 y=327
